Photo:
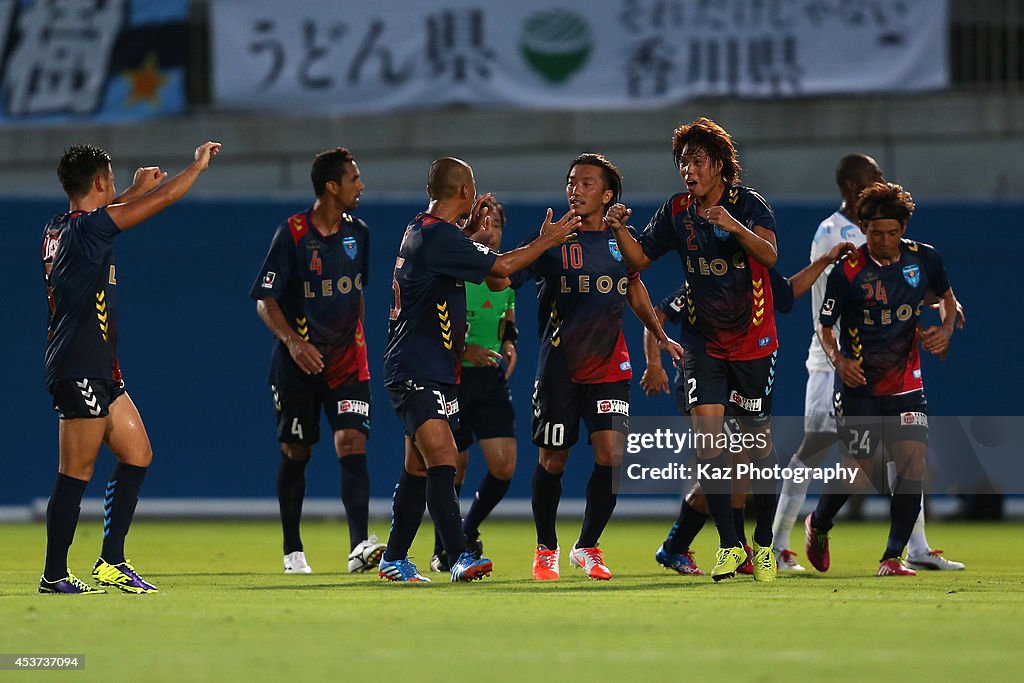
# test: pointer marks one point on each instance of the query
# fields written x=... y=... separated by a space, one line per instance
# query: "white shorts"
x=819 y=412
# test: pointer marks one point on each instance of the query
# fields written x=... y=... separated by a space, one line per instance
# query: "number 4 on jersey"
x=315 y=264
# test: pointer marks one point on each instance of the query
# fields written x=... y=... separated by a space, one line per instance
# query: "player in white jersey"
x=853 y=173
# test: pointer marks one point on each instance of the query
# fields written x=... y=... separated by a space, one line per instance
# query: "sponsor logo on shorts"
x=268 y=279
x=452 y=407
x=751 y=405
x=828 y=306
x=912 y=419
x=763 y=342
x=357 y=407
x=613 y=405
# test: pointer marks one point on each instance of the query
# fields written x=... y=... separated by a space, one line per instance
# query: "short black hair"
x=329 y=165
x=612 y=175
x=79 y=167
x=852 y=165
x=884 y=201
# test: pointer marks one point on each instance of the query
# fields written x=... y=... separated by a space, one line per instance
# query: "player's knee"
x=553 y=462
x=296 y=452
x=349 y=442
x=503 y=469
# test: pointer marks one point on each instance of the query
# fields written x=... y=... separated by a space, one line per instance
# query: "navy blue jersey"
x=581 y=293
x=318 y=282
x=78 y=266
x=877 y=309
x=782 y=294
x=427 y=331
x=730 y=301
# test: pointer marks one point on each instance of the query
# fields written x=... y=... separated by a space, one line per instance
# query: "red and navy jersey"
x=729 y=304
x=427 y=330
x=318 y=282
x=581 y=293
x=78 y=267
x=877 y=309
x=782 y=295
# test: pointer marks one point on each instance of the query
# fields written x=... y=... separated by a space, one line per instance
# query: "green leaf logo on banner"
x=555 y=44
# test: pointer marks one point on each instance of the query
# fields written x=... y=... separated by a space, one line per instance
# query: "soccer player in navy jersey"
x=309 y=293
x=853 y=174
x=724 y=235
x=675 y=552
x=486 y=413
x=426 y=337
x=583 y=371
x=82 y=370
x=876 y=295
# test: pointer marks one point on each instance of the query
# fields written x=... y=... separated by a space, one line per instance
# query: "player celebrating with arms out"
x=876 y=297
x=725 y=237
x=310 y=295
x=584 y=370
x=426 y=335
x=82 y=370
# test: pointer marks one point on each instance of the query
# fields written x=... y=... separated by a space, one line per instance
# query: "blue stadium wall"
x=195 y=355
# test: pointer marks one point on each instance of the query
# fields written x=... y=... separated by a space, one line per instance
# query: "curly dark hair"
x=329 y=165
x=713 y=139
x=884 y=201
x=79 y=166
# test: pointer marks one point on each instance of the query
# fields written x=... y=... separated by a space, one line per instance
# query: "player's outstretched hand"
x=148 y=177
x=563 y=230
x=839 y=251
x=480 y=211
x=935 y=340
x=306 y=356
x=617 y=216
x=851 y=373
x=654 y=381
x=205 y=152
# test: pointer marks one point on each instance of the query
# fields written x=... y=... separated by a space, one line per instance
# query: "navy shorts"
x=298 y=412
x=417 y=403
x=558 y=407
x=86 y=397
x=744 y=387
x=485 y=406
x=865 y=421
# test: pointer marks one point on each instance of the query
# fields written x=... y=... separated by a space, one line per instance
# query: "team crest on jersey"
x=721 y=233
x=912 y=274
x=268 y=279
x=351 y=248
x=613 y=247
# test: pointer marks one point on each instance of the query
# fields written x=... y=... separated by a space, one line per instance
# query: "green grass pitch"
x=226 y=612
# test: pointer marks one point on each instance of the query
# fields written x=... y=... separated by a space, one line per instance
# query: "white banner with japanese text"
x=311 y=55
x=92 y=60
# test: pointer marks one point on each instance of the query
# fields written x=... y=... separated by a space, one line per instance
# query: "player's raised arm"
x=757 y=241
x=632 y=253
x=551 y=234
x=805 y=279
x=146 y=178
x=131 y=213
